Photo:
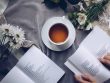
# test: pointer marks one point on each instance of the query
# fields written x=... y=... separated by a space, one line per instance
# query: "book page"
x=39 y=67
x=85 y=62
x=97 y=42
x=16 y=76
x=72 y=67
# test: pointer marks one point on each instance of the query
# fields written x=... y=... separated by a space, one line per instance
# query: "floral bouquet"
x=82 y=13
x=11 y=37
x=84 y=18
x=80 y=21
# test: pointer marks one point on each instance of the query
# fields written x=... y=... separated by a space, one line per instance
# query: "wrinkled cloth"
x=31 y=16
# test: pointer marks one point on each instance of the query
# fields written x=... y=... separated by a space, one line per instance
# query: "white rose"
x=82 y=18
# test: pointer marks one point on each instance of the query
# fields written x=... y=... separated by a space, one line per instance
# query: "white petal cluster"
x=6 y=29
x=14 y=34
x=82 y=18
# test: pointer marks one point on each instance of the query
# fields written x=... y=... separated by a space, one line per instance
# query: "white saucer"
x=47 y=26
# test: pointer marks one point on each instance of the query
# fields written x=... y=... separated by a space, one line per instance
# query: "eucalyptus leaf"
x=95 y=10
x=75 y=23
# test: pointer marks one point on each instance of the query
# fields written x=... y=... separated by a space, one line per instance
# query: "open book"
x=85 y=59
x=34 y=67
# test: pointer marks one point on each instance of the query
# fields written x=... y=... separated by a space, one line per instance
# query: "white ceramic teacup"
x=59 y=46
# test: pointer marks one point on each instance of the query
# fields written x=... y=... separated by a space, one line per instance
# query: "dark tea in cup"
x=58 y=33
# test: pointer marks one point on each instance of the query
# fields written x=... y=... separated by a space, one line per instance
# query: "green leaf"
x=95 y=10
x=72 y=15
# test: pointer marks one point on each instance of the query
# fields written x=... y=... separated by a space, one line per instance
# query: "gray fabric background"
x=31 y=15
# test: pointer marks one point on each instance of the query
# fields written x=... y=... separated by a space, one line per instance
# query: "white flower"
x=18 y=36
x=89 y=26
x=6 y=29
x=82 y=18
x=14 y=35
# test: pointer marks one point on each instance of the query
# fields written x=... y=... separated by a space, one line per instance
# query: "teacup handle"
x=65 y=17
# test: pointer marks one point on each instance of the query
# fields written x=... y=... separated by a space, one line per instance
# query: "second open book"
x=85 y=59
